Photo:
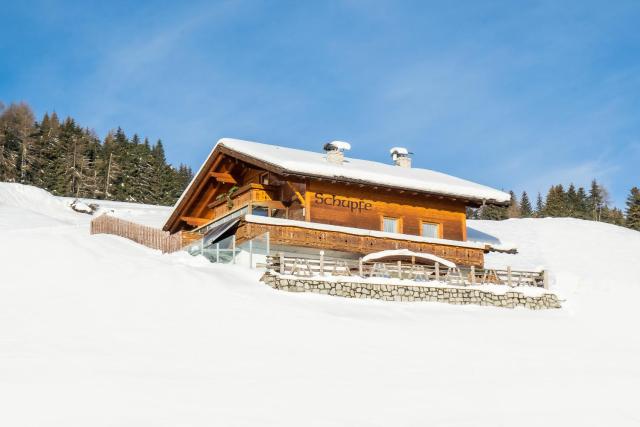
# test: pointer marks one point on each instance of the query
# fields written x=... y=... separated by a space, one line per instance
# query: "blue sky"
x=517 y=95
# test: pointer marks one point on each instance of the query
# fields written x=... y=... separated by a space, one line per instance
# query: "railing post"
x=437 y=271
x=251 y=253
x=473 y=275
x=268 y=243
x=545 y=279
x=321 y=263
x=281 y=263
x=399 y=269
x=509 y=275
x=360 y=267
x=233 y=249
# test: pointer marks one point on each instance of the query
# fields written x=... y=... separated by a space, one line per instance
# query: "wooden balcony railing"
x=243 y=196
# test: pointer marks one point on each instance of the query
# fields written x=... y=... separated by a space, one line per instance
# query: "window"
x=264 y=179
x=430 y=230
x=390 y=225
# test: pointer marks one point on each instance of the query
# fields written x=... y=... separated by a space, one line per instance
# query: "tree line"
x=593 y=204
x=68 y=160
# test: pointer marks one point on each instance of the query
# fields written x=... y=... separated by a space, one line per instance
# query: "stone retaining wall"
x=387 y=292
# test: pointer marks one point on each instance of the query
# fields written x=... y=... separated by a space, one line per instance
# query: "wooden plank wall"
x=410 y=209
x=338 y=241
x=151 y=237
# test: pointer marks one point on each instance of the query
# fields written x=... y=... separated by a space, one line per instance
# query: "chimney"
x=335 y=151
x=401 y=157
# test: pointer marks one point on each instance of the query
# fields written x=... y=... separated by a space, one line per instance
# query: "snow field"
x=96 y=330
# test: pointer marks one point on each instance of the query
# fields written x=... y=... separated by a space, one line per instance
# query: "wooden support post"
x=360 y=268
x=321 y=263
x=545 y=279
x=437 y=271
x=281 y=263
x=473 y=275
x=509 y=275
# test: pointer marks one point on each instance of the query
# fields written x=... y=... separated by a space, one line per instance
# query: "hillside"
x=96 y=330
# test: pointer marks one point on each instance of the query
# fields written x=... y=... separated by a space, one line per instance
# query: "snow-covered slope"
x=96 y=330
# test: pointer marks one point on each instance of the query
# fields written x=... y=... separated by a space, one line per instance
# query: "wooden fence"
x=151 y=237
x=462 y=276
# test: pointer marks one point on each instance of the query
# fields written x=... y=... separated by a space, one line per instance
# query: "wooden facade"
x=290 y=235
x=230 y=181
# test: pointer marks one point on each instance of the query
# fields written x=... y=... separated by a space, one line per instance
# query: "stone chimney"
x=335 y=151
x=401 y=157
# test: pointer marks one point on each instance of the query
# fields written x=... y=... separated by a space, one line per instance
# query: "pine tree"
x=598 y=199
x=571 y=201
x=581 y=207
x=16 y=130
x=513 y=211
x=633 y=209
x=539 y=206
x=493 y=212
x=526 y=211
x=556 y=204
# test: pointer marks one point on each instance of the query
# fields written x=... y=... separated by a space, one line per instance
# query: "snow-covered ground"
x=99 y=331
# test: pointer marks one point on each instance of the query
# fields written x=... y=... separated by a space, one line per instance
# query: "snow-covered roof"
x=309 y=163
x=407 y=253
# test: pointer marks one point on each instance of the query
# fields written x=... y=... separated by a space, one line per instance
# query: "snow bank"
x=25 y=206
x=97 y=330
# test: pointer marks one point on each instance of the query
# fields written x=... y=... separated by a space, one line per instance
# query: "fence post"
x=281 y=263
x=251 y=253
x=399 y=269
x=360 y=267
x=437 y=271
x=509 y=275
x=217 y=252
x=321 y=263
x=473 y=275
x=545 y=279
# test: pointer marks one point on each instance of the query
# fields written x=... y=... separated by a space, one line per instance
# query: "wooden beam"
x=272 y=204
x=223 y=177
x=196 y=222
x=297 y=193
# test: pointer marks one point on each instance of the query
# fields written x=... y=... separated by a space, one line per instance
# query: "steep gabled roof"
x=309 y=164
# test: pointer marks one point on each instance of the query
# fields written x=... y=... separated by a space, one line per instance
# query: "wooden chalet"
x=309 y=201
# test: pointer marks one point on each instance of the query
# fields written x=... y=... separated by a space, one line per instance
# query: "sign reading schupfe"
x=333 y=200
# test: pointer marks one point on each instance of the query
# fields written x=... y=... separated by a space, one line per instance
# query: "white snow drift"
x=99 y=331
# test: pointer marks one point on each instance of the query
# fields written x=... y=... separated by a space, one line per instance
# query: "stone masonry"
x=391 y=292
